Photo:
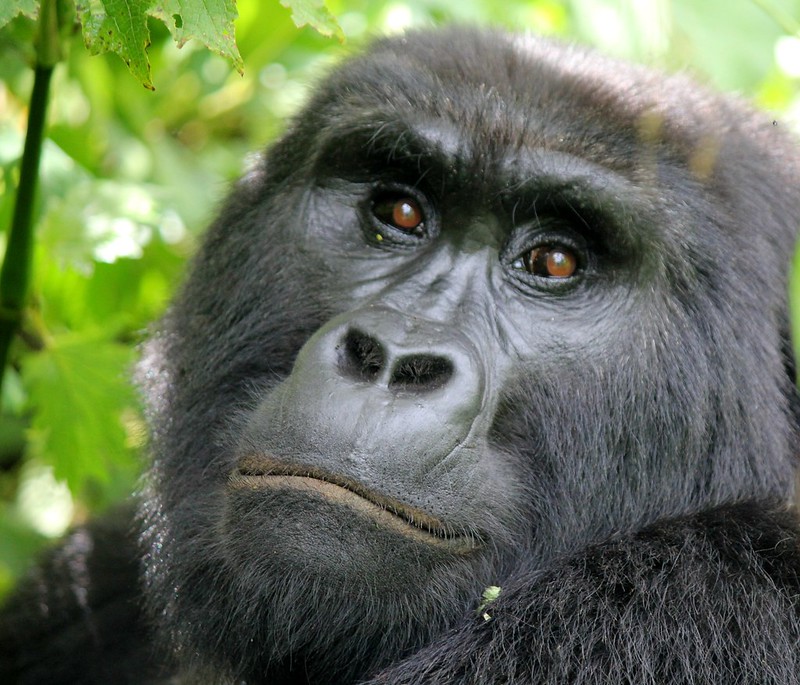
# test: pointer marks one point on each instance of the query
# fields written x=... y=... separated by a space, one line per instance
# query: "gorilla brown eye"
x=400 y=212
x=549 y=261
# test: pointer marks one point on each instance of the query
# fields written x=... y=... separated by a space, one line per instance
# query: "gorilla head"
x=488 y=301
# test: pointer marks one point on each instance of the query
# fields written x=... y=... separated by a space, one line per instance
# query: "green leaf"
x=315 y=14
x=209 y=21
x=118 y=26
x=17 y=544
x=490 y=594
x=12 y=8
x=794 y=301
x=80 y=390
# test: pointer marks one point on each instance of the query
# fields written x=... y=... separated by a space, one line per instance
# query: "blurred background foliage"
x=130 y=177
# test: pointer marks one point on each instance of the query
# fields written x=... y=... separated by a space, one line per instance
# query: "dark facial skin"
x=465 y=318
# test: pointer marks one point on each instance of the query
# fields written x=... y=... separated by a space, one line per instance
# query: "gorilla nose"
x=404 y=354
x=364 y=357
x=376 y=386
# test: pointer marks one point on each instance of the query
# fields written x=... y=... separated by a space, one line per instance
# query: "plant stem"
x=15 y=272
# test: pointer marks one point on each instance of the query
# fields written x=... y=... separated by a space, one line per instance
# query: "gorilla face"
x=488 y=301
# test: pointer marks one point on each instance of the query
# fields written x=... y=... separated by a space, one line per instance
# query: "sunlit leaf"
x=99 y=220
x=210 y=22
x=12 y=8
x=80 y=390
x=315 y=14
x=118 y=26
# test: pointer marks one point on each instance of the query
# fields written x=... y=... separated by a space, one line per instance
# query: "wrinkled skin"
x=492 y=312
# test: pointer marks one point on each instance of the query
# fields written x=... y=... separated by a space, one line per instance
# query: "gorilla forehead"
x=502 y=92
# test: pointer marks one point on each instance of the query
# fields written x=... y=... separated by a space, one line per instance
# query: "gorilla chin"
x=357 y=504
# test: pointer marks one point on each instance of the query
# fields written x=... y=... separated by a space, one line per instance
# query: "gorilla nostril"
x=363 y=356
x=421 y=372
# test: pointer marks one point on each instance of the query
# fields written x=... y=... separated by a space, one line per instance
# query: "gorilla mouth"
x=259 y=472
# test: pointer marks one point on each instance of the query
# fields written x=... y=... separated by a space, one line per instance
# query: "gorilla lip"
x=256 y=473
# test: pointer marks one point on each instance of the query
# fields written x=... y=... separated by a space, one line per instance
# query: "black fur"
x=77 y=618
x=357 y=428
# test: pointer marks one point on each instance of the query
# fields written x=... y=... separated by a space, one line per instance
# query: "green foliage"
x=209 y=21
x=129 y=177
x=66 y=383
x=13 y=8
x=18 y=543
x=120 y=26
x=490 y=594
x=314 y=13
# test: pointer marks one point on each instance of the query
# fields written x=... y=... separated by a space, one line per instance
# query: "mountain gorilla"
x=493 y=312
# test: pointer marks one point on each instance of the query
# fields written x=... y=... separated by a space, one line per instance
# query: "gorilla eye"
x=400 y=212
x=549 y=261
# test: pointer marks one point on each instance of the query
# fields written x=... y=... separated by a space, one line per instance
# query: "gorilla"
x=495 y=317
